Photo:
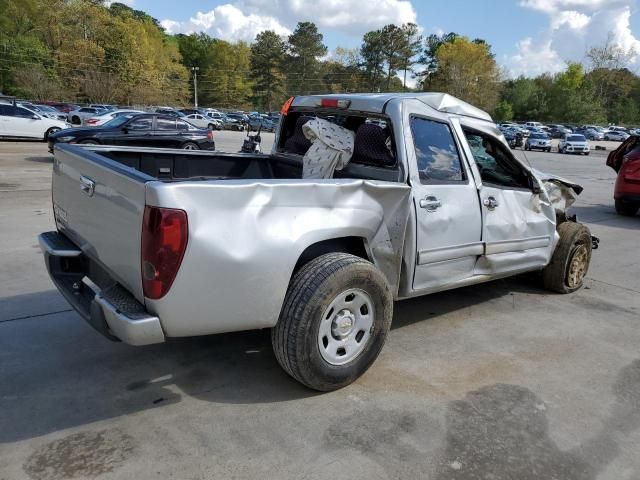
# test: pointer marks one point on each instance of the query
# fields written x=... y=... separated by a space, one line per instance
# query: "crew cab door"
x=447 y=210
x=518 y=223
x=136 y=132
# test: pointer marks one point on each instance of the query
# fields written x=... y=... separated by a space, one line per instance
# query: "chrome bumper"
x=111 y=310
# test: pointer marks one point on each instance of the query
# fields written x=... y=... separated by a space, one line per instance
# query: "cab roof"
x=376 y=102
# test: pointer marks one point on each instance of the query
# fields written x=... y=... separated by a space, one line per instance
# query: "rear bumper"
x=111 y=310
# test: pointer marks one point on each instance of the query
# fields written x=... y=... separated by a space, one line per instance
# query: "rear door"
x=518 y=225
x=448 y=217
x=165 y=133
x=6 y=117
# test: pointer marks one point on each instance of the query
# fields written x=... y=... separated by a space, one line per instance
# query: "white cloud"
x=129 y=3
x=574 y=26
x=244 y=19
x=533 y=60
x=228 y=23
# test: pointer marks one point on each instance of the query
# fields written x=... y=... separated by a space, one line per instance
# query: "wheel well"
x=353 y=245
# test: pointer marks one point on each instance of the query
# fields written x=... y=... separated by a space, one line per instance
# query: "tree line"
x=96 y=51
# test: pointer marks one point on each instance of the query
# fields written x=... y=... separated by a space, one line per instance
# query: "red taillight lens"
x=165 y=232
x=287 y=106
x=92 y=121
x=210 y=135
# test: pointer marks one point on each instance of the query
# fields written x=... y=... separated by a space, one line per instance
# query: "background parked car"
x=538 y=141
x=63 y=107
x=574 y=143
x=106 y=107
x=110 y=115
x=590 y=133
x=202 y=121
x=616 y=135
x=625 y=160
x=45 y=111
x=266 y=124
x=78 y=117
x=20 y=122
x=144 y=130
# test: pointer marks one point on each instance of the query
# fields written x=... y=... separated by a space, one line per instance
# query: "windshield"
x=116 y=122
x=540 y=136
x=576 y=138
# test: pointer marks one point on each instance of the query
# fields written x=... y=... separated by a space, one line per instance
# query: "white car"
x=20 y=122
x=616 y=135
x=82 y=114
x=99 y=120
x=201 y=121
x=574 y=143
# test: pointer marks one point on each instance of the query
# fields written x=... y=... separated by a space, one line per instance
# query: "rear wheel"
x=190 y=146
x=334 y=321
x=626 y=209
x=75 y=120
x=570 y=261
x=89 y=142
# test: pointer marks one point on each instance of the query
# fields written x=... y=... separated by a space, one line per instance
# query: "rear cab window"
x=374 y=155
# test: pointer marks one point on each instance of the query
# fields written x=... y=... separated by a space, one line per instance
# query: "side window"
x=496 y=166
x=143 y=123
x=165 y=124
x=6 y=110
x=182 y=125
x=436 y=152
x=23 y=113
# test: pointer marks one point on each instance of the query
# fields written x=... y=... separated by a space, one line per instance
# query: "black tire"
x=313 y=288
x=190 y=146
x=549 y=150
x=89 y=142
x=626 y=209
x=570 y=261
x=75 y=120
x=51 y=131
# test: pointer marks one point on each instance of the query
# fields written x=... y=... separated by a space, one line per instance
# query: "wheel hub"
x=578 y=266
x=346 y=326
x=342 y=325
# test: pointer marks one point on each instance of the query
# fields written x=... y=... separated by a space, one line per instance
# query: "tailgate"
x=99 y=204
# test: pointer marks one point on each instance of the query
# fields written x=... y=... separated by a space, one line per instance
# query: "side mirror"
x=35 y=117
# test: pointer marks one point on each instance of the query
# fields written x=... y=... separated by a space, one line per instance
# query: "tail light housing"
x=287 y=105
x=210 y=135
x=92 y=121
x=165 y=233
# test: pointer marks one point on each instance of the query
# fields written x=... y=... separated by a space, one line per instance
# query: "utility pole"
x=195 y=86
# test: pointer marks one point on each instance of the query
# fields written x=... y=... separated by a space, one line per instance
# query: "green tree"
x=266 y=58
x=468 y=71
x=304 y=47
x=503 y=112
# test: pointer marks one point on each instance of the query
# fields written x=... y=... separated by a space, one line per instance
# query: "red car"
x=625 y=160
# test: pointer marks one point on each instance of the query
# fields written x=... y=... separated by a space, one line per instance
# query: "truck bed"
x=170 y=165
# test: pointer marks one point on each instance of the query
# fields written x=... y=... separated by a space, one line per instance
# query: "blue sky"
x=527 y=36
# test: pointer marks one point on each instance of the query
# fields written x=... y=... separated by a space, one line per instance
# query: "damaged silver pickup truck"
x=364 y=200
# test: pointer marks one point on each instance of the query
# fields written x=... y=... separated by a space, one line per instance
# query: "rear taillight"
x=165 y=232
x=287 y=105
x=92 y=121
x=210 y=135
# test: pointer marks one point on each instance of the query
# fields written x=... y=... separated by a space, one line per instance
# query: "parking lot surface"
x=502 y=380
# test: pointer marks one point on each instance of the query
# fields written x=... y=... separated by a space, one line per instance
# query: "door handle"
x=87 y=186
x=430 y=203
x=490 y=203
